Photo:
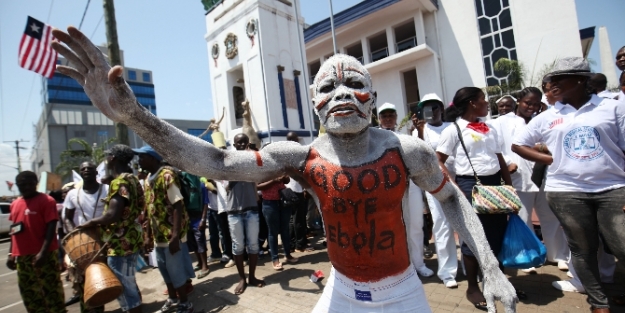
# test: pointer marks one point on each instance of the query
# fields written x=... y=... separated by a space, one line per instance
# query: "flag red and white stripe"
x=35 y=53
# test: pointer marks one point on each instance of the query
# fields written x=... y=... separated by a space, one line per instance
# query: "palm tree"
x=71 y=159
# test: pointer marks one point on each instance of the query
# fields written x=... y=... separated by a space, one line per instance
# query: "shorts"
x=196 y=239
x=244 y=229
x=124 y=268
x=176 y=269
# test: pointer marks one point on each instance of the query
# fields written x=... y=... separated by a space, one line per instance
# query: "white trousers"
x=553 y=235
x=402 y=293
x=413 y=218
x=445 y=242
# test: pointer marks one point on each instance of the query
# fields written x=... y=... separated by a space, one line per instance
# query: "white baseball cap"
x=386 y=106
x=429 y=97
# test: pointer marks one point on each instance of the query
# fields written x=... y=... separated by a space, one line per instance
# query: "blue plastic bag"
x=521 y=248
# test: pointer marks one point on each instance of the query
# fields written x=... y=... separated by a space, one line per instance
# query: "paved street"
x=291 y=291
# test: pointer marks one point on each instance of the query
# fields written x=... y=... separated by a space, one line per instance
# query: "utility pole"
x=17 y=151
x=121 y=130
x=332 y=27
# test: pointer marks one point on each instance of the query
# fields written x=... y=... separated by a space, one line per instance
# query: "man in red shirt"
x=33 y=248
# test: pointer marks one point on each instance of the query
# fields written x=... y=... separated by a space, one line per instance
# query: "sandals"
x=307 y=249
x=291 y=260
x=203 y=274
x=278 y=267
x=478 y=304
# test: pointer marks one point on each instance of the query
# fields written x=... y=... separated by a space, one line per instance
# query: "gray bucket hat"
x=570 y=66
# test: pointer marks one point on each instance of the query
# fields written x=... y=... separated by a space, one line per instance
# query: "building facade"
x=415 y=47
x=256 y=52
x=68 y=113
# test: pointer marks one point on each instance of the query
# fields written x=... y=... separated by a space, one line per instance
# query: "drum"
x=83 y=246
x=101 y=285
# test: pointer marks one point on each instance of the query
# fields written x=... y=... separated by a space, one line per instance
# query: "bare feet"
x=257 y=282
x=240 y=287
x=475 y=296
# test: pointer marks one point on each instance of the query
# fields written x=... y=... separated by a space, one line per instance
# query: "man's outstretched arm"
x=109 y=92
x=425 y=173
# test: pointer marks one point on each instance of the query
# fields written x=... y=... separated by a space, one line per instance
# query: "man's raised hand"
x=88 y=66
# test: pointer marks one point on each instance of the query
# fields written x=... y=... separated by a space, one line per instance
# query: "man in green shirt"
x=118 y=225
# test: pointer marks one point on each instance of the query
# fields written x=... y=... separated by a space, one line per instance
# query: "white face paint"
x=343 y=96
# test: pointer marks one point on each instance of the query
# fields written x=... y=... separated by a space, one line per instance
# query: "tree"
x=71 y=159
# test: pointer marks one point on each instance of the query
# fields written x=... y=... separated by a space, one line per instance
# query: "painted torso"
x=362 y=212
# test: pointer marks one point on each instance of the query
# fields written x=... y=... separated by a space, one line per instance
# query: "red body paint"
x=362 y=213
x=363 y=97
x=259 y=160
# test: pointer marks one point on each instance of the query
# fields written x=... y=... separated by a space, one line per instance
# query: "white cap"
x=429 y=97
x=386 y=106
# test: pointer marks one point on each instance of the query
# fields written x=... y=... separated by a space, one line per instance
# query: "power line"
x=83 y=14
x=96 y=27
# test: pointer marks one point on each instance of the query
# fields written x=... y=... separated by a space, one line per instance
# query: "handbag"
x=288 y=197
x=521 y=248
x=491 y=199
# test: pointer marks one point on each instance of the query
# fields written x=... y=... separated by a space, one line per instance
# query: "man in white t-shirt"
x=81 y=205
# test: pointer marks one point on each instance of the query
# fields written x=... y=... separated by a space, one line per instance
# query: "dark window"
x=513 y=55
x=487 y=66
x=146 y=77
x=504 y=19
x=478 y=6
x=508 y=39
x=5 y=209
x=487 y=45
x=505 y=3
x=497 y=41
x=80 y=133
x=499 y=54
x=492 y=7
x=313 y=68
x=495 y=25
x=132 y=75
x=484 y=26
x=492 y=81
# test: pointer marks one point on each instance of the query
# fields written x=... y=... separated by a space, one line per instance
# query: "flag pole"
x=332 y=27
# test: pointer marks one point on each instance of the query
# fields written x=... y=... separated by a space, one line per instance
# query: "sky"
x=168 y=40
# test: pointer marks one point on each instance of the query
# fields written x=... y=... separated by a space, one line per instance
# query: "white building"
x=410 y=47
x=256 y=51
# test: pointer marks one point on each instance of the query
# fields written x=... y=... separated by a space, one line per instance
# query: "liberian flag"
x=35 y=52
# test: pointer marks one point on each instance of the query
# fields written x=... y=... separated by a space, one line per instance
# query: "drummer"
x=119 y=226
x=81 y=205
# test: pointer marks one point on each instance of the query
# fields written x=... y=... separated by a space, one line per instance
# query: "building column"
x=390 y=41
x=419 y=27
x=366 y=54
x=285 y=117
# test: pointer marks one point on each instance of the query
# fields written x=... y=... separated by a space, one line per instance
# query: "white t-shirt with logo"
x=482 y=149
x=507 y=126
x=587 y=145
x=82 y=202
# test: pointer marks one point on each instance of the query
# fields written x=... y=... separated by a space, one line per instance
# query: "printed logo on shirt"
x=29 y=212
x=583 y=144
x=476 y=138
x=556 y=122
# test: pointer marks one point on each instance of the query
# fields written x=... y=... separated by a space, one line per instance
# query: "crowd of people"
x=560 y=148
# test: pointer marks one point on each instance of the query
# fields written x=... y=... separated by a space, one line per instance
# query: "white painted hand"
x=497 y=287
x=104 y=85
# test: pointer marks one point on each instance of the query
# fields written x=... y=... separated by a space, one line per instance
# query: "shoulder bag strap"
x=79 y=205
x=467 y=154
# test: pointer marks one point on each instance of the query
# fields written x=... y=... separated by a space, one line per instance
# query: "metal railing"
x=379 y=54
x=406 y=44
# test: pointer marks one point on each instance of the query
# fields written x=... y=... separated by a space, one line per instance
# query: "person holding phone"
x=427 y=119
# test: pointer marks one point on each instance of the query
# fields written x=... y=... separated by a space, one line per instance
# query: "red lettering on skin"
x=259 y=160
x=363 y=97
x=362 y=213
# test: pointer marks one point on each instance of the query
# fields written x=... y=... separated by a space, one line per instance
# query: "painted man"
x=33 y=248
x=358 y=175
x=119 y=227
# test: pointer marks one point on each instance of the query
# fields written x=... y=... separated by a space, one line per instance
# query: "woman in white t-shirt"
x=532 y=197
x=585 y=182
x=483 y=149
x=430 y=131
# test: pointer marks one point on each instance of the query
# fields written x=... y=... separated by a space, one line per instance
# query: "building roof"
x=346 y=16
